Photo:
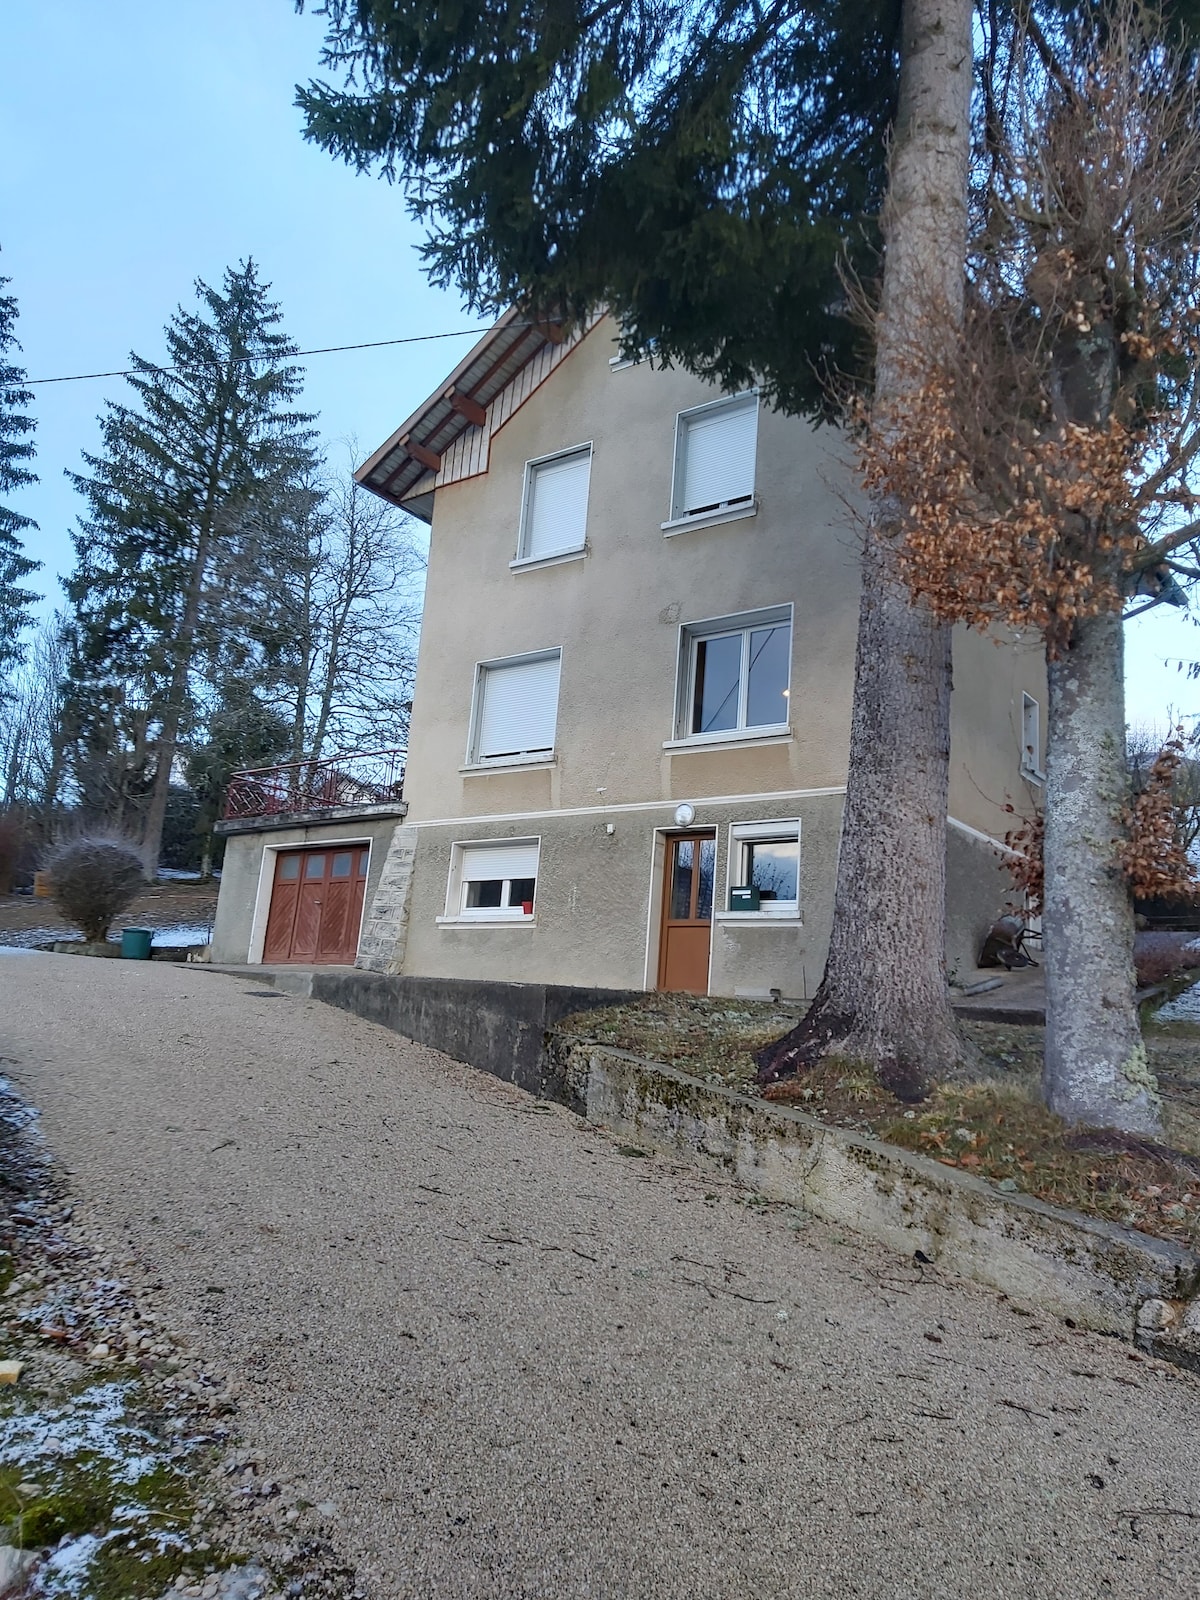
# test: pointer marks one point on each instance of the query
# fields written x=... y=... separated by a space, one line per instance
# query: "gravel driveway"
x=524 y=1363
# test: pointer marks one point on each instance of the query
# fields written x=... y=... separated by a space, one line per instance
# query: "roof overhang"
x=404 y=470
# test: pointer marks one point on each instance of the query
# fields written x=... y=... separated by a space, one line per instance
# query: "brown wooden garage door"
x=316 y=905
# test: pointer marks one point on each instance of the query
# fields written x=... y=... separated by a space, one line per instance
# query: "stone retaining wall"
x=1099 y=1275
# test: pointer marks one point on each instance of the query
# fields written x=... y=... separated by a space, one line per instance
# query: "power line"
x=325 y=350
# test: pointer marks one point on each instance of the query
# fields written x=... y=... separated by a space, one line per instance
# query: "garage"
x=316 y=906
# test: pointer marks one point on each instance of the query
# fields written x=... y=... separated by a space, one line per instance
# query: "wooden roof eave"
x=403 y=469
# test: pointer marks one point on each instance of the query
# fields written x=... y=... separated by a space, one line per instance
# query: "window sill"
x=709 y=519
x=485 y=922
x=532 y=563
x=791 y=917
x=475 y=769
x=736 y=738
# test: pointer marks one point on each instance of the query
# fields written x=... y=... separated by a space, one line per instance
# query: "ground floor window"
x=493 y=880
x=764 y=867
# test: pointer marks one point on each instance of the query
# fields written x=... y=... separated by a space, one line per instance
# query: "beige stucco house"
x=631 y=721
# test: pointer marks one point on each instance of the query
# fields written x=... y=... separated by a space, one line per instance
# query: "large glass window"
x=737 y=675
x=764 y=859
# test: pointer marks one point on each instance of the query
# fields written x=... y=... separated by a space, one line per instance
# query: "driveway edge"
x=1096 y=1274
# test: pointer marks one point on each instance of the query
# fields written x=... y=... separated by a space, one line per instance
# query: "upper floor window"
x=735 y=675
x=516 y=708
x=715 y=448
x=554 y=506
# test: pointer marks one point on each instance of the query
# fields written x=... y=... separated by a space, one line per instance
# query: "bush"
x=93 y=879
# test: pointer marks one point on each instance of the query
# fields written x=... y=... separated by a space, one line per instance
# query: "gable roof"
x=406 y=468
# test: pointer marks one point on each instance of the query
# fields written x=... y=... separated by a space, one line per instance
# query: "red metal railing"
x=364 y=778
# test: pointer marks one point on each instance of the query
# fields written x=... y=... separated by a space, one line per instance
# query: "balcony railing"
x=335 y=783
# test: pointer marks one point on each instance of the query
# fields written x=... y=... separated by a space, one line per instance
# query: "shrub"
x=93 y=878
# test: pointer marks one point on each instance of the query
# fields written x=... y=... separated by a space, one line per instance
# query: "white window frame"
x=459 y=914
x=771 y=830
x=729 y=511
x=1031 y=750
x=690 y=635
x=524 y=563
x=474 y=761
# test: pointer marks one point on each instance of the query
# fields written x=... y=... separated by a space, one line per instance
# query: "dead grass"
x=994 y=1126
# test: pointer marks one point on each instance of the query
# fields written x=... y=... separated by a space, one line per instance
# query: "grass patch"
x=80 y=1475
x=994 y=1126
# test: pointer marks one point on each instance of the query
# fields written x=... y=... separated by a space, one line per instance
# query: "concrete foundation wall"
x=599 y=898
x=501 y=1028
x=245 y=885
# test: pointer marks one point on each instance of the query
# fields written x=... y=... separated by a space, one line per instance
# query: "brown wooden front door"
x=690 y=871
x=316 y=906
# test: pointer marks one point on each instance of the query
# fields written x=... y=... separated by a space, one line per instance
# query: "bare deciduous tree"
x=1047 y=462
x=350 y=608
x=32 y=737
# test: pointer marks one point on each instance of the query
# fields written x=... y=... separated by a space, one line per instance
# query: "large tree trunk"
x=884 y=996
x=1095 y=1064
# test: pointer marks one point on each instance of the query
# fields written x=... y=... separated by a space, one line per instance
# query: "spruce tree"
x=709 y=174
x=16 y=450
x=187 y=477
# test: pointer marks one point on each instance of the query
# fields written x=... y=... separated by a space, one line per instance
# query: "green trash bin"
x=135 y=943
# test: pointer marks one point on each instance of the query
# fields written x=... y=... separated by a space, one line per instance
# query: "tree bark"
x=1095 y=1064
x=883 y=996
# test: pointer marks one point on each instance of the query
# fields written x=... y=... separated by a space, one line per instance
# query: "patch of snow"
x=67 y=1569
x=91 y=1423
x=30 y=938
x=181 y=933
x=1184 y=1008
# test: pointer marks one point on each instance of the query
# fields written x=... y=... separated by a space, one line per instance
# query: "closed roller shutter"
x=505 y=859
x=556 y=514
x=718 y=456
x=519 y=707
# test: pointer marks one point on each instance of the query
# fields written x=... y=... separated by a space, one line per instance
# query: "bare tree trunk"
x=883 y=996
x=1095 y=1066
x=206 y=860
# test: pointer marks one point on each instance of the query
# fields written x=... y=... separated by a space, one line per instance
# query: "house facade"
x=630 y=730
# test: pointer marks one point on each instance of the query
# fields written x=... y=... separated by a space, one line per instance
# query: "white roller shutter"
x=556 y=512
x=504 y=859
x=718 y=447
x=518 y=707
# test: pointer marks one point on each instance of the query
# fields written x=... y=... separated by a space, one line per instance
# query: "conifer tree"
x=187 y=476
x=16 y=450
x=708 y=173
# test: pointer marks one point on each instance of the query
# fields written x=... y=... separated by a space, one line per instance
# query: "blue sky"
x=150 y=142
